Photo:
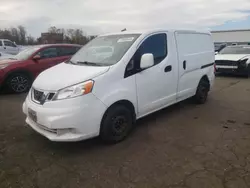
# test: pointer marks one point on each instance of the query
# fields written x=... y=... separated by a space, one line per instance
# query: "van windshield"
x=104 y=50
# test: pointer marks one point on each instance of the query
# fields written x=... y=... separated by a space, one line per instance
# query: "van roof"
x=157 y=30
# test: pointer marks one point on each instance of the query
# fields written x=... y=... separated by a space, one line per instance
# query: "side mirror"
x=147 y=60
x=216 y=53
x=36 y=57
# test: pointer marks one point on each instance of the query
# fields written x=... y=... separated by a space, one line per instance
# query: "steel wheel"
x=119 y=125
x=116 y=124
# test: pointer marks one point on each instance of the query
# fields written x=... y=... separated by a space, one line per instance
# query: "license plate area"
x=32 y=115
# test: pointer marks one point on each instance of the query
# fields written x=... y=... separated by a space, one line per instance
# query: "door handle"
x=168 y=68
x=184 y=65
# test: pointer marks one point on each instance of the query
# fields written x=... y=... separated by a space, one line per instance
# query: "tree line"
x=20 y=36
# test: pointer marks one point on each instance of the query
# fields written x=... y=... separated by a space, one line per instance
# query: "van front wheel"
x=202 y=92
x=116 y=124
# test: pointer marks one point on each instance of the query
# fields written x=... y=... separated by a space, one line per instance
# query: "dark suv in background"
x=18 y=72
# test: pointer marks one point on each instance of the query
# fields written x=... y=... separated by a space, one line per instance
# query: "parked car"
x=219 y=47
x=234 y=59
x=88 y=96
x=8 y=47
x=18 y=72
x=5 y=56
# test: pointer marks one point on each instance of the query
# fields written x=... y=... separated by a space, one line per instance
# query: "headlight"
x=75 y=90
x=3 y=66
x=243 y=62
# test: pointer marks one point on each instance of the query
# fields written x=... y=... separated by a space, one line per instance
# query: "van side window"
x=156 y=45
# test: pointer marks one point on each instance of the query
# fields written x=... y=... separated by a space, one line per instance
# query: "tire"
x=248 y=71
x=202 y=92
x=116 y=125
x=18 y=83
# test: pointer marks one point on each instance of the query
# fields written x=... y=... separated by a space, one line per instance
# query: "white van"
x=88 y=96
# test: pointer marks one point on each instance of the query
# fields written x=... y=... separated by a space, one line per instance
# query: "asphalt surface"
x=184 y=146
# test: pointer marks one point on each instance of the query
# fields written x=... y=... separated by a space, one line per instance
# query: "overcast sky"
x=100 y=16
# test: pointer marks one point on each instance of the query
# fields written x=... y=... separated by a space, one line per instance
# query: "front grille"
x=54 y=131
x=41 y=97
x=226 y=62
x=38 y=95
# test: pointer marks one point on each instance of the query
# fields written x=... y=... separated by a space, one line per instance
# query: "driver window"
x=8 y=43
x=48 y=53
x=156 y=45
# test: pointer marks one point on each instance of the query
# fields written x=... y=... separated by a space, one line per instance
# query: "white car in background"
x=5 y=56
x=234 y=59
x=8 y=47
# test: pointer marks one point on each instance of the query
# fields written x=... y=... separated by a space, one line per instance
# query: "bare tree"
x=22 y=33
x=31 y=40
x=59 y=35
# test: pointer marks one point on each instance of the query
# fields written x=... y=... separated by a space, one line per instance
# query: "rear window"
x=236 y=50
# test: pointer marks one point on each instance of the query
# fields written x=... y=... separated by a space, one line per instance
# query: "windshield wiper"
x=89 y=63
x=70 y=62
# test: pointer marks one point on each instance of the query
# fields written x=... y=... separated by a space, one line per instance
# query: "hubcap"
x=119 y=125
x=19 y=84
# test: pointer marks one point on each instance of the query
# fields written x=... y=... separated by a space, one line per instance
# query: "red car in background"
x=18 y=72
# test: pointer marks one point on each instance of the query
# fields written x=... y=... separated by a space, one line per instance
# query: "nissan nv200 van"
x=132 y=74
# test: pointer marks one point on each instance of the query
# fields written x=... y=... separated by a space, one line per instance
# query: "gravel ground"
x=183 y=146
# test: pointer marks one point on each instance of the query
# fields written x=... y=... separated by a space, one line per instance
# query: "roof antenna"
x=124 y=30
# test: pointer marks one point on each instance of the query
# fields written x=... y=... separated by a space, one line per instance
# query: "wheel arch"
x=128 y=104
x=19 y=71
x=205 y=78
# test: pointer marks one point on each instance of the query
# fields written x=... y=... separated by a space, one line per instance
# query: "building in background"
x=51 y=38
x=232 y=37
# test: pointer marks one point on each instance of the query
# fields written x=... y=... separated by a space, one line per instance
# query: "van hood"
x=231 y=57
x=64 y=75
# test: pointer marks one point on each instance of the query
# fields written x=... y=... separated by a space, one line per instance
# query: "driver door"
x=49 y=57
x=156 y=86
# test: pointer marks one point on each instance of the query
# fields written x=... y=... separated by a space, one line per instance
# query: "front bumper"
x=66 y=120
x=233 y=69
